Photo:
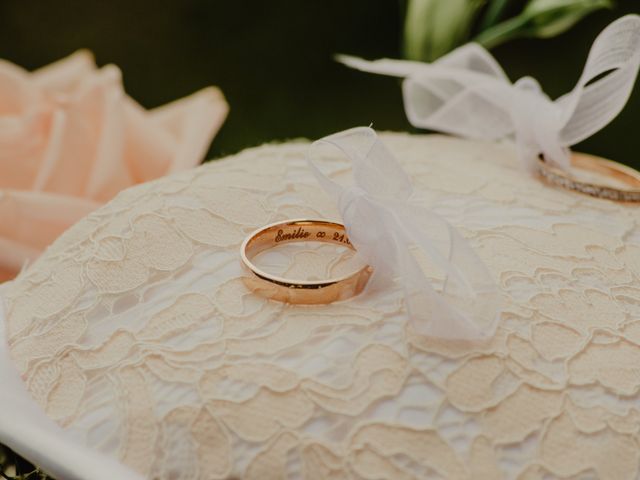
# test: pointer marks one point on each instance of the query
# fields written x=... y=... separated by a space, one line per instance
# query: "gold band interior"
x=620 y=172
x=297 y=231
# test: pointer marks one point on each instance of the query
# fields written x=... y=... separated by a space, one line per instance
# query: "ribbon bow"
x=448 y=291
x=467 y=93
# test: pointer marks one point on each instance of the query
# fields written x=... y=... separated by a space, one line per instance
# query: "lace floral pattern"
x=135 y=333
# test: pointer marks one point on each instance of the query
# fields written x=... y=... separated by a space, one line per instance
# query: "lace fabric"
x=26 y=427
x=135 y=333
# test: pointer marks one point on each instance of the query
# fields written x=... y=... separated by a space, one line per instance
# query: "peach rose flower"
x=70 y=139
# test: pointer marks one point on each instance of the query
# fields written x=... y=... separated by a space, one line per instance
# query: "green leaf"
x=541 y=19
x=495 y=12
x=435 y=27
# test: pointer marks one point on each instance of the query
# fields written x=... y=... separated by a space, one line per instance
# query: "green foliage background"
x=273 y=60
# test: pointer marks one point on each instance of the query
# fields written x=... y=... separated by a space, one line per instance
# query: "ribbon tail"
x=606 y=81
x=471 y=57
x=375 y=170
x=383 y=66
x=440 y=100
x=449 y=291
x=467 y=93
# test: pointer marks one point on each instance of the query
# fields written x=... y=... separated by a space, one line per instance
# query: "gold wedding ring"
x=300 y=291
x=627 y=180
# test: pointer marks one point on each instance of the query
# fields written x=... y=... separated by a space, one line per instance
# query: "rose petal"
x=92 y=139
x=24 y=124
x=70 y=139
x=193 y=120
x=172 y=137
x=13 y=255
x=17 y=94
x=110 y=172
x=149 y=149
x=33 y=220
x=65 y=75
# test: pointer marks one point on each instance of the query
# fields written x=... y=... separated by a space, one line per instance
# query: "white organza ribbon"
x=449 y=292
x=467 y=93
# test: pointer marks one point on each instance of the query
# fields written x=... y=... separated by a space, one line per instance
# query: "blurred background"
x=273 y=60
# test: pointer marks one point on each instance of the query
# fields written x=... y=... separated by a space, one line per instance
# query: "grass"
x=14 y=467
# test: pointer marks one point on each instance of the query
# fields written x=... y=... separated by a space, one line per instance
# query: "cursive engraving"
x=297 y=234
x=341 y=238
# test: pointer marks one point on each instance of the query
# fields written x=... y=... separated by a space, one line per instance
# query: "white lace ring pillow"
x=136 y=335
